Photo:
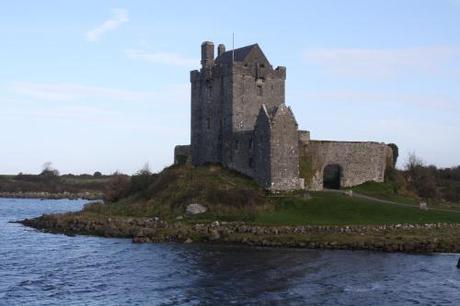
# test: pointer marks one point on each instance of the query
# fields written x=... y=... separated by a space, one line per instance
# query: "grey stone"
x=423 y=206
x=214 y=234
x=195 y=209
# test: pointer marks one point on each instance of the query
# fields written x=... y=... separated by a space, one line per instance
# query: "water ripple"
x=44 y=269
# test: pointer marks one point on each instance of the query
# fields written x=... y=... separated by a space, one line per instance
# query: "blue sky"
x=104 y=85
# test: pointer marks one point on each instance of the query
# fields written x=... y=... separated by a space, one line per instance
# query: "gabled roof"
x=240 y=54
x=282 y=110
x=277 y=111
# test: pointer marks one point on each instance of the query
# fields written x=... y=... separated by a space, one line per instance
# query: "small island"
x=162 y=207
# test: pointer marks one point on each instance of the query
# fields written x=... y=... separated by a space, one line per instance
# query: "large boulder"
x=195 y=209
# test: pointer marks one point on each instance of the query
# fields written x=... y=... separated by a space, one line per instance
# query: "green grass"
x=333 y=208
x=383 y=191
x=228 y=195
x=232 y=197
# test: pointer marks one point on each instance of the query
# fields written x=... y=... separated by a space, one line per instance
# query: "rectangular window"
x=208 y=123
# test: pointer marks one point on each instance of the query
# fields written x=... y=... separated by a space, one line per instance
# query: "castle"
x=239 y=119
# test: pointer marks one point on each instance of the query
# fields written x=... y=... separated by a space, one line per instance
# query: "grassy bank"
x=232 y=197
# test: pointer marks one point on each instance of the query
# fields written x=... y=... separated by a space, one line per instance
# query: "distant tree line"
x=426 y=181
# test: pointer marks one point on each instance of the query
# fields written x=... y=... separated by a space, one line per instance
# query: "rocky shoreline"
x=414 y=238
x=52 y=196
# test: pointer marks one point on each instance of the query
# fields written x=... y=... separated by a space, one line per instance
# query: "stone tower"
x=239 y=118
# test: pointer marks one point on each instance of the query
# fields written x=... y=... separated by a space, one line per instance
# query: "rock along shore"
x=419 y=238
x=52 y=196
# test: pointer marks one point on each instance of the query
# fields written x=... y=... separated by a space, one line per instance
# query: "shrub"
x=117 y=187
x=421 y=178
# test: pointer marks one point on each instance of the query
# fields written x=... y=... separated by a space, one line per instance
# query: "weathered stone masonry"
x=239 y=119
x=359 y=162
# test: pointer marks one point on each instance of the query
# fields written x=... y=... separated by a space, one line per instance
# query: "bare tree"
x=413 y=162
x=48 y=170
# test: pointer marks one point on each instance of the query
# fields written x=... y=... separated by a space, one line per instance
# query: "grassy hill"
x=230 y=196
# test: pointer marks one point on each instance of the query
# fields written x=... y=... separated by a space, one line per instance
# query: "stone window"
x=259 y=90
x=237 y=144
x=250 y=143
x=208 y=123
x=251 y=162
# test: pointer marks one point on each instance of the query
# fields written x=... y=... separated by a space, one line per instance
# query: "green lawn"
x=383 y=191
x=335 y=208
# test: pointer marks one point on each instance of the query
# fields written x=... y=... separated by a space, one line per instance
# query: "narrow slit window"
x=259 y=90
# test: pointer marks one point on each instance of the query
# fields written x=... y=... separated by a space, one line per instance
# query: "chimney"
x=220 y=49
x=207 y=53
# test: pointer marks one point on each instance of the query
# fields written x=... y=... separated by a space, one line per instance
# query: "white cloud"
x=382 y=62
x=71 y=92
x=119 y=16
x=167 y=58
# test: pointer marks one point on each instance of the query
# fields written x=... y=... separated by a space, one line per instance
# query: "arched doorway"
x=331 y=176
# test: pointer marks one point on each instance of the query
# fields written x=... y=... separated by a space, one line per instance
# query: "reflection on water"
x=46 y=269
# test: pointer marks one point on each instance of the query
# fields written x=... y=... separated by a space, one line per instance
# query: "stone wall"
x=359 y=161
x=262 y=154
x=284 y=151
x=182 y=154
x=254 y=82
x=207 y=122
x=252 y=87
